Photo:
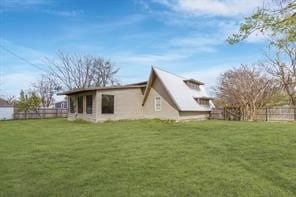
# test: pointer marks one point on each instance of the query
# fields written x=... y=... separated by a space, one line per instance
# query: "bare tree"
x=46 y=88
x=81 y=71
x=11 y=99
x=104 y=73
x=245 y=87
x=282 y=66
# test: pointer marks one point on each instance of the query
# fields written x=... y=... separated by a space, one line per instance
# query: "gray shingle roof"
x=4 y=103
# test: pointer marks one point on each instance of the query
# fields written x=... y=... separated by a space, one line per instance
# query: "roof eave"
x=204 y=97
x=166 y=89
x=99 y=88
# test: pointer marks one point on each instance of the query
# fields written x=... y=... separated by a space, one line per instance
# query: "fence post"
x=224 y=113
x=241 y=113
x=14 y=112
x=266 y=114
x=294 y=113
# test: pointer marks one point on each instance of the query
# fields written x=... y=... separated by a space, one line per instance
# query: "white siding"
x=6 y=113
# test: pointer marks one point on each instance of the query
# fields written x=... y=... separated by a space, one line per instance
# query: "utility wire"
x=21 y=58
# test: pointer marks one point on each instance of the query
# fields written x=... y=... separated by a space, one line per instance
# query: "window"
x=80 y=104
x=72 y=105
x=157 y=103
x=193 y=85
x=203 y=101
x=107 y=104
x=89 y=104
x=66 y=105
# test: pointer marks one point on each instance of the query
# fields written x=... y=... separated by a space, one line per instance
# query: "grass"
x=147 y=158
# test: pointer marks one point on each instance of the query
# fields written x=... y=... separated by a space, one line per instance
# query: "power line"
x=21 y=58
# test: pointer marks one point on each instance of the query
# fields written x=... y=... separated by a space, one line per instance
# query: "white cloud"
x=209 y=75
x=19 y=67
x=12 y=83
x=91 y=28
x=212 y=7
x=214 y=30
x=173 y=52
x=149 y=59
x=13 y=54
x=197 y=43
x=256 y=37
x=66 y=13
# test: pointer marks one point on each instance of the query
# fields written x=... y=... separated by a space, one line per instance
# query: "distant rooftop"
x=4 y=103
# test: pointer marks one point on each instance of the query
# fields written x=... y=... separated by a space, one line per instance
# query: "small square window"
x=157 y=103
x=203 y=101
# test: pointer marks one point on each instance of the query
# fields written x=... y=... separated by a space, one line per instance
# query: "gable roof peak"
x=180 y=93
x=168 y=72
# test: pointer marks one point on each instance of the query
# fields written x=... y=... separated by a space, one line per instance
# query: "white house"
x=6 y=110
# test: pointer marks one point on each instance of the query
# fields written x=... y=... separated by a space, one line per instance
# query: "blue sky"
x=186 y=37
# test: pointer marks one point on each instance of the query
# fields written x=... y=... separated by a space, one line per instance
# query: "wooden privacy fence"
x=263 y=114
x=40 y=113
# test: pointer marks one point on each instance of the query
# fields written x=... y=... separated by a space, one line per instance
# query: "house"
x=61 y=105
x=6 y=110
x=164 y=96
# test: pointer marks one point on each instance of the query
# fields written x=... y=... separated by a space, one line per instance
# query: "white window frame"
x=157 y=98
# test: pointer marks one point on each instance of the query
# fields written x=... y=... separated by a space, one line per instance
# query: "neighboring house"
x=163 y=96
x=61 y=105
x=6 y=110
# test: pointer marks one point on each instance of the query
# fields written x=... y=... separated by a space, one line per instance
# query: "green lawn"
x=147 y=158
